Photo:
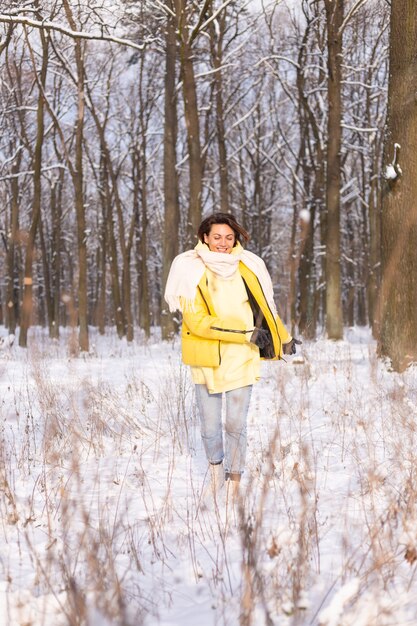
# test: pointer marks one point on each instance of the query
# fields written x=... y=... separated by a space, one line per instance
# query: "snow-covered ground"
x=103 y=521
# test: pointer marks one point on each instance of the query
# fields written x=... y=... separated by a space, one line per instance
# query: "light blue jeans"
x=210 y=409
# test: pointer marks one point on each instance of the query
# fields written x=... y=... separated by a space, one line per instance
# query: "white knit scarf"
x=188 y=268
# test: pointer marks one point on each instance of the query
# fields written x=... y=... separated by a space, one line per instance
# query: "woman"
x=229 y=324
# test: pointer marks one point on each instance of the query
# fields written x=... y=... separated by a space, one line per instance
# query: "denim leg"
x=210 y=410
x=237 y=406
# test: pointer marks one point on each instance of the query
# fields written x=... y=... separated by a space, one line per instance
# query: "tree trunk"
x=293 y=264
x=56 y=211
x=46 y=277
x=80 y=211
x=307 y=281
x=398 y=339
x=110 y=197
x=102 y=253
x=186 y=35
x=374 y=281
x=311 y=161
x=216 y=44
x=77 y=176
x=26 y=314
x=114 y=271
x=12 y=293
x=172 y=211
x=334 y=317
x=349 y=283
x=193 y=140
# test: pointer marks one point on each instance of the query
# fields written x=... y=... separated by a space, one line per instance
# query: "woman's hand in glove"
x=261 y=337
x=290 y=347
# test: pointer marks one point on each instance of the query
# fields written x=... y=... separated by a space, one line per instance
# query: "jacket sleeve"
x=199 y=322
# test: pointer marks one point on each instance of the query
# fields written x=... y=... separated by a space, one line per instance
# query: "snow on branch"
x=353 y=10
x=201 y=26
x=278 y=57
x=357 y=129
x=54 y=26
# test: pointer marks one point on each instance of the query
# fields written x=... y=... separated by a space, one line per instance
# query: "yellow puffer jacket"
x=203 y=330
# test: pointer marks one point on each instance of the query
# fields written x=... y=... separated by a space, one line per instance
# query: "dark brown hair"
x=222 y=218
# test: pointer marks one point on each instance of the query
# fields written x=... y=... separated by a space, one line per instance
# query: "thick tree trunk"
x=187 y=33
x=193 y=140
x=216 y=44
x=334 y=317
x=398 y=339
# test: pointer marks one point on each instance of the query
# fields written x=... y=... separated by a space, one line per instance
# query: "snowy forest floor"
x=102 y=470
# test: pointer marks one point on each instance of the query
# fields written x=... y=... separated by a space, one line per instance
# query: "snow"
x=390 y=172
x=103 y=471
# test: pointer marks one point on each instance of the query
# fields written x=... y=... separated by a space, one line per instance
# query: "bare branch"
x=201 y=17
x=200 y=26
x=164 y=7
x=353 y=10
x=53 y=26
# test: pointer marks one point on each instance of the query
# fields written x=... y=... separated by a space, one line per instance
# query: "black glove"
x=261 y=337
x=289 y=348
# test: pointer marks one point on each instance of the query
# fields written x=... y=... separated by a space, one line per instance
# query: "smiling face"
x=221 y=238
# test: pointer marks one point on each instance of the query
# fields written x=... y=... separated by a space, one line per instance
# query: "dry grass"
x=102 y=473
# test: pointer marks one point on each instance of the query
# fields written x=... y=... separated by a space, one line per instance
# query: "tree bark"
x=216 y=45
x=77 y=175
x=27 y=304
x=311 y=159
x=398 y=340
x=46 y=276
x=186 y=36
x=334 y=316
x=193 y=140
x=56 y=213
x=12 y=293
x=172 y=210
x=80 y=209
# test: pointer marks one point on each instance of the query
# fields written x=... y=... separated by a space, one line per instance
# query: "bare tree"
x=172 y=208
x=27 y=304
x=334 y=21
x=398 y=339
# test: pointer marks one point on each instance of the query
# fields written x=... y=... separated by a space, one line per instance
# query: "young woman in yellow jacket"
x=229 y=324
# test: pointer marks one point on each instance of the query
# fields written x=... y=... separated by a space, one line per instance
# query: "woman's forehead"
x=221 y=228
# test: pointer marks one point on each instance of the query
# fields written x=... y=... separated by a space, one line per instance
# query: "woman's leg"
x=237 y=406
x=210 y=410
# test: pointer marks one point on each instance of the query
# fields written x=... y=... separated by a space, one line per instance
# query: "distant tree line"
x=121 y=129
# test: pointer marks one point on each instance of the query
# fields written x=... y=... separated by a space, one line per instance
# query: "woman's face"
x=221 y=238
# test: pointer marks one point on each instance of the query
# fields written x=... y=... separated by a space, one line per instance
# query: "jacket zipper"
x=209 y=312
x=231 y=330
